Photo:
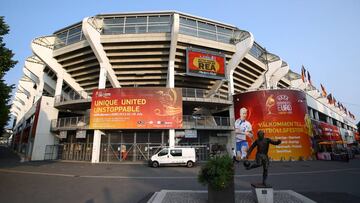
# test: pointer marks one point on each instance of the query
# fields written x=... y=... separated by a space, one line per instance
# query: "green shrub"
x=218 y=172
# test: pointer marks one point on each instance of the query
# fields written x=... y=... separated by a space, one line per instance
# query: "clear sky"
x=322 y=35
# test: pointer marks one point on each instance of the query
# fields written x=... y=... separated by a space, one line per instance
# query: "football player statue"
x=262 y=158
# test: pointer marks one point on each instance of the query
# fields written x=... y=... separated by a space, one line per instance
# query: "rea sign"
x=205 y=64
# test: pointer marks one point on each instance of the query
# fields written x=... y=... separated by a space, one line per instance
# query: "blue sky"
x=323 y=35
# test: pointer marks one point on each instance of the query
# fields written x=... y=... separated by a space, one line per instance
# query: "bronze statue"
x=262 y=158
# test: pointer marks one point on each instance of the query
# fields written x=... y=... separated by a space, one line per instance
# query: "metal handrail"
x=82 y=122
x=201 y=93
x=186 y=92
x=206 y=121
x=79 y=122
x=72 y=96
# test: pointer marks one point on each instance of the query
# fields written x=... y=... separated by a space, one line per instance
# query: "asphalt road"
x=322 y=181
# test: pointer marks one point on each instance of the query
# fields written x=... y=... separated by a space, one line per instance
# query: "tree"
x=6 y=63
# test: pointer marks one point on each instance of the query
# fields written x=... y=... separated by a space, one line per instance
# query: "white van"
x=177 y=156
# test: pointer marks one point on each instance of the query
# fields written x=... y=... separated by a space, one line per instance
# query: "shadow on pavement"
x=9 y=159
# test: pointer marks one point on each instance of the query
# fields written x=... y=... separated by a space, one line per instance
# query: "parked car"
x=174 y=156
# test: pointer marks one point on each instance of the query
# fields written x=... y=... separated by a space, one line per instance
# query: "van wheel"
x=155 y=164
x=190 y=164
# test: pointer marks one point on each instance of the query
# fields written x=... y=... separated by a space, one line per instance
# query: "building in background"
x=204 y=61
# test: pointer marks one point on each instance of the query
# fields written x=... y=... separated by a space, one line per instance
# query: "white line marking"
x=36 y=173
x=168 y=177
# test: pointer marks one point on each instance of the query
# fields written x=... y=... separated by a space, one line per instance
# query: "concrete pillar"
x=316 y=115
x=95 y=158
x=59 y=84
x=311 y=112
x=170 y=83
x=97 y=133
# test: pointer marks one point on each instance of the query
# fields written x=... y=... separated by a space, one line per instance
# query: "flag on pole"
x=323 y=91
x=330 y=99
x=303 y=72
x=309 y=78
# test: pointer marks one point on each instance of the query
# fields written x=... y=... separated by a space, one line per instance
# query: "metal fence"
x=72 y=96
x=69 y=151
x=202 y=94
x=189 y=121
x=80 y=122
x=186 y=92
x=215 y=122
x=115 y=152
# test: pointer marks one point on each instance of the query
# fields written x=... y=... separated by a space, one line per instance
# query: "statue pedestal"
x=262 y=193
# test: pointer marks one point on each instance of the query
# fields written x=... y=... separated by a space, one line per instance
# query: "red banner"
x=205 y=64
x=36 y=118
x=325 y=131
x=281 y=114
x=357 y=136
x=136 y=108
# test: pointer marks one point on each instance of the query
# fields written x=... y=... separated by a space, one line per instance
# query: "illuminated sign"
x=136 y=108
x=205 y=64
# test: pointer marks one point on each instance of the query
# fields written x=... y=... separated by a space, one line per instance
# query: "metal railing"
x=202 y=94
x=189 y=121
x=80 y=122
x=213 y=122
x=186 y=92
x=69 y=151
x=72 y=96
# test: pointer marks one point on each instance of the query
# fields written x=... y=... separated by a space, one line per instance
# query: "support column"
x=95 y=158
x=170 y=83
x=59 y=84
x=93 y=36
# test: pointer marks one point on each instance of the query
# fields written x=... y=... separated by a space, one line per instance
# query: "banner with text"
x=205 y=64
x=281 y=114
x=136 y=108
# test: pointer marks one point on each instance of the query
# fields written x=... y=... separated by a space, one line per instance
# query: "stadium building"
x=155 y=57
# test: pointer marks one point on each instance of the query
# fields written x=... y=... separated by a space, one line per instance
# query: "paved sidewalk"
x=185 y=196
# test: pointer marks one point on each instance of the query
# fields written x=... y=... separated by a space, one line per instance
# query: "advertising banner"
x=205 y=64
x=357 y=136
x=136 y=108
x=281 y=114
x=326 y=132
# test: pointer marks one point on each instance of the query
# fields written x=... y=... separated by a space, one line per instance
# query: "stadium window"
x=206 y=31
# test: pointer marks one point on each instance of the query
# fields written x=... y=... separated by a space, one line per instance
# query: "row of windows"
x=154 y=24
x=257 y=51
x=324 y=118
x=69 y=36
x=136 y=24
x=205 y=30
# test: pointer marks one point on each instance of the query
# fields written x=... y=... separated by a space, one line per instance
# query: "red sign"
x=36 y=118
x=357 y=136
x=136 y=108
x=205 y=64
x=325 y=131
x=281 y=114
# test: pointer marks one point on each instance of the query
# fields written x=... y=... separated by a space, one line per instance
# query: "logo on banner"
x=283 y=104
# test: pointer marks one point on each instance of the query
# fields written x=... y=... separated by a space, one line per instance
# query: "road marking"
x=36 y=173
x=300 y=172
x=168 y=177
